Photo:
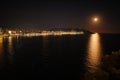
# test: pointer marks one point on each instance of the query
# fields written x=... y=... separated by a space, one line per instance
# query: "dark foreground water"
x=54 y=57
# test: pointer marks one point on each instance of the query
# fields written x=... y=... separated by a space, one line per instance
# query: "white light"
x=9 y=32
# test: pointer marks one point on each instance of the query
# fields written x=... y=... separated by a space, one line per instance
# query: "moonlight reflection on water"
x=94 y=52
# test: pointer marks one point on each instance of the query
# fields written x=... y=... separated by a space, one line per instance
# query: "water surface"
x=55 y=57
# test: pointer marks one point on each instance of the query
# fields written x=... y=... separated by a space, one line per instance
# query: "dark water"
x=54 y=57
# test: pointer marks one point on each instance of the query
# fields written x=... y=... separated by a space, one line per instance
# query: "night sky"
x=33 y=14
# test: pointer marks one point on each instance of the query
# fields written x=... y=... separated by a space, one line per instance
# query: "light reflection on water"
x=10 y=45
x=10 y=49
x=1 y=49
x=94 y=52
x=44 y=48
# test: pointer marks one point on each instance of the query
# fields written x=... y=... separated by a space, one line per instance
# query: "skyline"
x=33 y=14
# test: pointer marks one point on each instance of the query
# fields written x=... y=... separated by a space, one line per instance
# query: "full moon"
x=95 y=19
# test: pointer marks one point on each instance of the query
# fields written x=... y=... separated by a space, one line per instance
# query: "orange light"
x=95 y=19
x=20 y=31
x=9 y=32
x=94 y=52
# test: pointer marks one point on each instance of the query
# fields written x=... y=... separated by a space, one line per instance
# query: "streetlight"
x=10 y=32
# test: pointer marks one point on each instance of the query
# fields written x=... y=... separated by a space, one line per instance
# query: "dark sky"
x=28 y=13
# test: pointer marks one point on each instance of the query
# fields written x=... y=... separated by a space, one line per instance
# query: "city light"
x=10 y=32
x=42 y=33
x=20 y=31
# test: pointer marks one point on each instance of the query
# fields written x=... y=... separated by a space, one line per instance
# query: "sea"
x=54 y=57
